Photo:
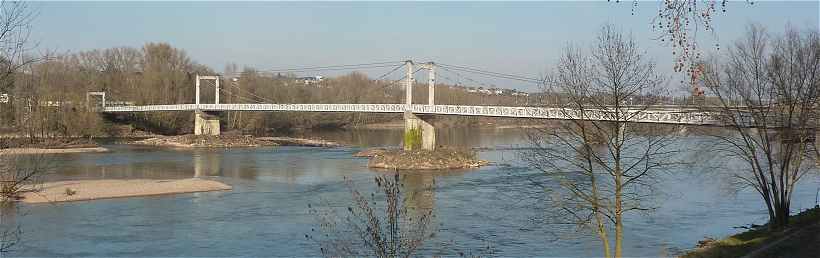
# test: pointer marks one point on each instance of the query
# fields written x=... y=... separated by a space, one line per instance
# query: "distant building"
x=311 y=79
x=520 y=94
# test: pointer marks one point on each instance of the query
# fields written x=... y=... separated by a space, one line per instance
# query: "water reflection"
x=9 y=229
x=419 y=191
x=242 y=166
x=448 y=136
x=8 y=215
x=207 y=163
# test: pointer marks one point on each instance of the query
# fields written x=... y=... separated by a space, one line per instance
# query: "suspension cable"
x=491 y=73
x=239 y=91
x=263 y=99
x=241 y=97
x=400 y=79
x=327 y=68
x=465 y=77
x=390 y=72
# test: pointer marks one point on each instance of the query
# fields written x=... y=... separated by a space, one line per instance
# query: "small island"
x=439 y=159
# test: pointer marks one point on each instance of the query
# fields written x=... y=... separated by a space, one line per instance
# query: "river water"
x=266 y=214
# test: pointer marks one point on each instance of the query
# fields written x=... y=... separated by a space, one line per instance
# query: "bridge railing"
x=641 y=116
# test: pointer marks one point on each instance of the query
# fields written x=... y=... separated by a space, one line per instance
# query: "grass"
x=412 y=138
x=801 y=243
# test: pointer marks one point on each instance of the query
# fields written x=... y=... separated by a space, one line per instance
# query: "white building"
x=311 y=79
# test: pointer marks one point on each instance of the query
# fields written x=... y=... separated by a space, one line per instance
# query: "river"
x=266 y=214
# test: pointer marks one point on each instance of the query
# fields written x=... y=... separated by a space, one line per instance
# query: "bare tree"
x=15 y=27
x=19 y=173
x=768 y=92
x=396 y=230
x=604 y=163
x=679 y=23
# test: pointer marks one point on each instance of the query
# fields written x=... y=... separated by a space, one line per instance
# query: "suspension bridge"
x=415 y=114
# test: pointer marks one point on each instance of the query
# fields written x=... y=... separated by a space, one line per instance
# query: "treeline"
x=48 y=97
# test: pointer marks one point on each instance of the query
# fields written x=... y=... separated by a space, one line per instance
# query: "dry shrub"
x=374 y=227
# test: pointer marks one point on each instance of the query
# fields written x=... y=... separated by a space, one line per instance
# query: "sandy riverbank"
x=290 y=141
x=51 y=151
x=203 y=141
x=397 y=124
x=83 y=190
x=56 y=145
x=231 y=141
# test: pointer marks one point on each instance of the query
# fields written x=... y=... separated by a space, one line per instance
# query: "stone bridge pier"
x=206 y=123
x=418 y=132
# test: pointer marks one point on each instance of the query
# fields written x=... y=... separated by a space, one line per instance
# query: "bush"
x=412 y=139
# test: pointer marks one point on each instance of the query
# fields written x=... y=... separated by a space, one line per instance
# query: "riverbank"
x=440 y=159
x=57 y=145
x=304 y=142
x=203 y=141
x=52 y=151
x=800 y=239
x=84 y=190
x=230 y=141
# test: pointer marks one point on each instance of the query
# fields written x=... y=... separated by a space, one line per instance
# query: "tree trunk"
x=619 y=227
x=602 y=234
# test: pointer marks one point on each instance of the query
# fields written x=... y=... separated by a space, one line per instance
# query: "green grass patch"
x=412 y=138
x=746 y=242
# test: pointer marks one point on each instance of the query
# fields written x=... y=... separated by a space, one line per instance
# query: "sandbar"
x=51 y=151
x=83 y=190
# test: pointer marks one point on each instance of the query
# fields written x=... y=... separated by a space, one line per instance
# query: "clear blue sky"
x=521 y=38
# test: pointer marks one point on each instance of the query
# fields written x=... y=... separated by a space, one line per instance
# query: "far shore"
x=84 y=190
x=231 y=141
x=52 y=151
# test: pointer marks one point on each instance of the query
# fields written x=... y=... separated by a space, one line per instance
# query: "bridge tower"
x=89 y=95
x=418 y=132
x=206 y=123
x=431 y=82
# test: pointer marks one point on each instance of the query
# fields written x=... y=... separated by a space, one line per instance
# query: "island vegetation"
x=421 y=160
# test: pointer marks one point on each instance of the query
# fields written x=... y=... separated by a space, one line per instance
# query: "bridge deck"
x=663 y=116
